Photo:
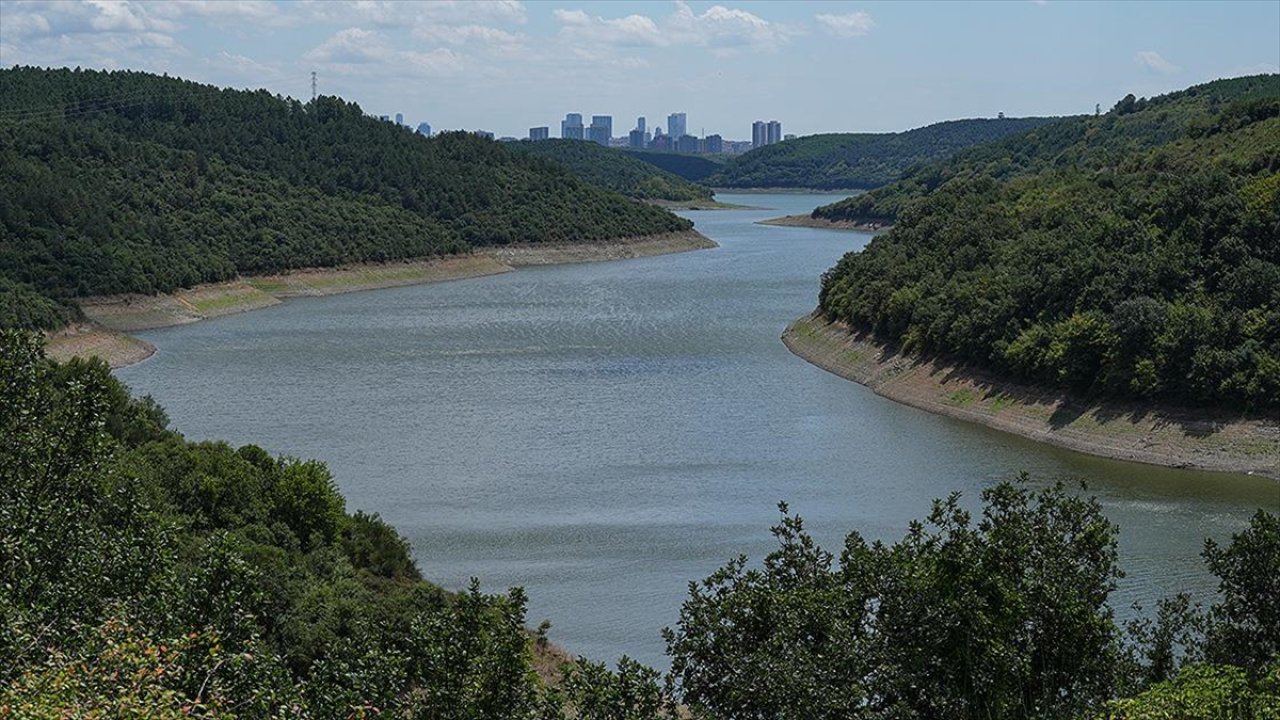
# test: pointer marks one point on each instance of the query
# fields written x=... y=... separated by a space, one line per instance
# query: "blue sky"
x=815 y=66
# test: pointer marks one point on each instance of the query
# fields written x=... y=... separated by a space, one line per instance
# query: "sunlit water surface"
x=602 y=434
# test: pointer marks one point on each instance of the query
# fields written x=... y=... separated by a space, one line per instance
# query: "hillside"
x=115 y=182
x=613 y=170
x=1132 y=255
x=694 y=168
x=840 y=161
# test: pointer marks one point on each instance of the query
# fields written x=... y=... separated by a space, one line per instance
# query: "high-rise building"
x=686 y=144
x=640 y=124
x=676 y=125
x=424 y=129
x=765 y=133
x=773 y=132
x=601 y=129
x=635 y=139
x=539 y=133
x=789 y=136
x=483 y=133
x=399 y=118
x=713 y=144
x=571 y=127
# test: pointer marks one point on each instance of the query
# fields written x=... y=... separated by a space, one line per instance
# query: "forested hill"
x=117 y=182
x=859 y=160
x=694 y=168
x=614 y=170
x=1131 y=255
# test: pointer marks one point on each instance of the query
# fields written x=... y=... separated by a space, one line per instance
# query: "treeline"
x=613 y=170
x=1131 y=255
x=130 y=182
x=148 y=576
x=838 y=161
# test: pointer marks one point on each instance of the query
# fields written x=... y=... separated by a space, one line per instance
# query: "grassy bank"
x=1171 y=437
x=111 y=318
x=823 y=223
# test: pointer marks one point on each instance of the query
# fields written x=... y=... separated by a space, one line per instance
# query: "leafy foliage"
x=1132 y=255
x=1006 y=617
x=613 y=170
x=115 y=182
x=839 y=161
x=1205 y=692
x=148 y=576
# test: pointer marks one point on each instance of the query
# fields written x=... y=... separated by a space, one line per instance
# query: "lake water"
x=602 y=434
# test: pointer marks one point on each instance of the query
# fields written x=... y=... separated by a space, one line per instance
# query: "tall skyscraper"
x=539 y=133
x=773 y=132
x=601 y=130
x=676 y=125
x=424 y=129
x=635 y=139
x=765 y=133
x=640 y=124
x=713 y=144
x=571 y=127
x=399 y=118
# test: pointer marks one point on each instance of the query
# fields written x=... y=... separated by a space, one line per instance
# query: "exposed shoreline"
x=699 y=204
x=1169 y=437
x=110 y=319
x=789 y=191
x=812 y=222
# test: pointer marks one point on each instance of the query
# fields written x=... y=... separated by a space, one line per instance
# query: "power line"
x=313 y=86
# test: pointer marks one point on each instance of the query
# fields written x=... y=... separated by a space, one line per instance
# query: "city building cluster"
x=675 y=138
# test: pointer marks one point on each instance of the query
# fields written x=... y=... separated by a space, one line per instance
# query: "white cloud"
x=1151 y=60
x=629 y=31
x=397 y=13
x=100 y=33
x=354 y=48
x=35 y=18
x=854 y=24
x=467 y=34
x=718 y=27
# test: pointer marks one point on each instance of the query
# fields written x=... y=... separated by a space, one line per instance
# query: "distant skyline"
x=506 y=66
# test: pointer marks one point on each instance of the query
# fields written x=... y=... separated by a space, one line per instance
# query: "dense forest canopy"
x=1131 y=255
x=116 y=182
x=148 y=576
x=694 y=168
x=613 y=170
x=838 y=161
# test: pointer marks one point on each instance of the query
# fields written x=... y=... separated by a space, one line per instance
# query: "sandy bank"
x=809 y=221
x=93 y=340
x=111 y=317
x=1139 y=433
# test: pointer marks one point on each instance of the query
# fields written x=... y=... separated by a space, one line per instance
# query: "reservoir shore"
x=823 y=223
x=1134 y=432
x=110 y=319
